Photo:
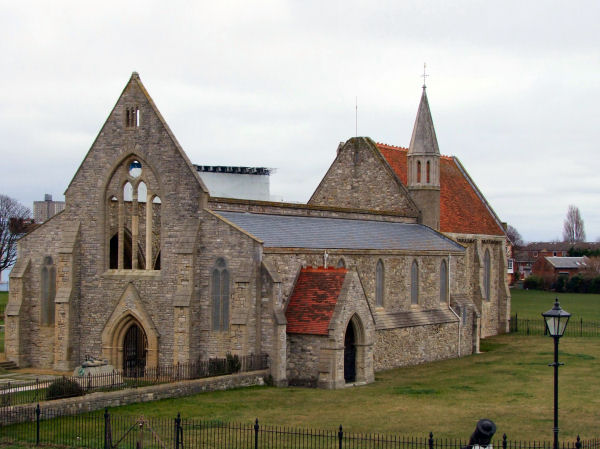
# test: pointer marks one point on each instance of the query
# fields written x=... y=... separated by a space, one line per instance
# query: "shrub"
x=577 y=284
x=63 y=388
x=533 y=282
x=561 y=284
x=233 y=363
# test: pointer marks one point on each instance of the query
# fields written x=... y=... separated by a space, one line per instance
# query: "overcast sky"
x=513 y=88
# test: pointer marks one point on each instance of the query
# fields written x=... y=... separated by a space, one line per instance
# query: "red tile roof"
x=462 y=210
x=313 y=301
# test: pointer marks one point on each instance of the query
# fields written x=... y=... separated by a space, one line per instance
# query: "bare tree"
x=514 y=236
x=13 y=218
x=573 y=226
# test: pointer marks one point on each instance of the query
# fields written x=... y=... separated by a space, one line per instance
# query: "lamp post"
x=556 y=322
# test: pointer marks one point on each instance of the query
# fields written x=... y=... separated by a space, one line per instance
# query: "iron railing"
x=575 y=328
x=39 y=390
x=108 y=431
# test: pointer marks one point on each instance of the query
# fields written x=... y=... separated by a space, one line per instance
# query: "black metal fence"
x=36 y=391
x=108 y=431
x=575 y=328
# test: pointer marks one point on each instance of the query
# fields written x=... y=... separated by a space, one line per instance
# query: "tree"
x=514 y=236
x=14 y=218
x=573 y=226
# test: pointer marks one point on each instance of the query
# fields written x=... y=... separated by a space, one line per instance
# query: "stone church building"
x=397 y=259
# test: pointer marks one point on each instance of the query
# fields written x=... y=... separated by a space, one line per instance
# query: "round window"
x=135 y=169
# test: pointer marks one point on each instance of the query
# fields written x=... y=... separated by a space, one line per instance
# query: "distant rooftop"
x=262 y=171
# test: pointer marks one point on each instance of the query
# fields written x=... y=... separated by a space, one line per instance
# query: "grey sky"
x=513 y=89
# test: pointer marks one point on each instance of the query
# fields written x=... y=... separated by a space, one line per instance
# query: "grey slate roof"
x=567 y=262
x=395 y=320
x=288 y=231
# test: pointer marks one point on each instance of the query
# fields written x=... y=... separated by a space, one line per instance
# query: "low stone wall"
x=98 y=401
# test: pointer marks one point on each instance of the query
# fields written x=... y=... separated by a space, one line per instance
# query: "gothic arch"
x=128 y=312
x=355 y=354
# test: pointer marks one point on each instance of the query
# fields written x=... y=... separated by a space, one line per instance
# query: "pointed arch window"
x=133 y=218
x=487 y=274
x=443 y=282
x=414 y=283
x=379 y=284
x=418 y=171
x=341 y=263
x=428 y=168
x=48 y=291
x=220 y=296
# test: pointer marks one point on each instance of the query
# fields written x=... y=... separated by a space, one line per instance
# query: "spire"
x=423 y=140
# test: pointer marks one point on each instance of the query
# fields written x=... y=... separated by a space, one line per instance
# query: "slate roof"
x=463 y=209
x=567 y=262
x=289 y=231
x=313 y=300
x=394 y=320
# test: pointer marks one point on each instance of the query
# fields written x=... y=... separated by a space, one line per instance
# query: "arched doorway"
x=134 y=351
x=350 y=354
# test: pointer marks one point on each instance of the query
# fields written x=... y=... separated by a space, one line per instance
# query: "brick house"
x=397 y=259
x=550 y=268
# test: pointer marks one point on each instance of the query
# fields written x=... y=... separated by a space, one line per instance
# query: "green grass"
x=510 y=383
x=531 y=303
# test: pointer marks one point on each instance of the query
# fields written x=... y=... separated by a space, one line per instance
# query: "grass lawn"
x=531 y=303
x=509 y=383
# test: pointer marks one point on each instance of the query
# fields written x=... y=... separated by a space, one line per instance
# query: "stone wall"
x=101 y=400
x=303 y=352
x=359 y=178
x=494 y=310
x=414 y=345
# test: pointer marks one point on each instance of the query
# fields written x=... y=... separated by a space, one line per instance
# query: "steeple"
x=423 y=140
x=423 y=166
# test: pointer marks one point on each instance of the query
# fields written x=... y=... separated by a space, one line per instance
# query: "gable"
x=359 y=178
x=463 y=209
x=134 y=127
x=313 y=300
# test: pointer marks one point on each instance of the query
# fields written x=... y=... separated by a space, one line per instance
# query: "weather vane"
x=424 y=74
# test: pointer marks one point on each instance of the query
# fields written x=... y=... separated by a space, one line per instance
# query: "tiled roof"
x=567 y=262
x=462 y=208
x=313 y=300
x=292 y=231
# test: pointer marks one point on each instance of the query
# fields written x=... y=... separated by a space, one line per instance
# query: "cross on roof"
x=424 y=74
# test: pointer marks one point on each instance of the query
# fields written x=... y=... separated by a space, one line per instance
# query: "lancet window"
x=487 y=274
x=379 y=284
x=48 y=291
x=220 y=295
x=414 y=283
x=443 y=282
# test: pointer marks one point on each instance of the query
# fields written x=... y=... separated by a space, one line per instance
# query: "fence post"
x=256 y=434
x=581 y=327
x=430 y=440
x=340 y=437
x=38 y=412
x=578 y=443
x=516 y=322
x=504 y=441
x=107 y=442
x=177 y=429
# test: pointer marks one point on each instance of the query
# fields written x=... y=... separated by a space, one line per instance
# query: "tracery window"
x=379 y=284
x=220 y=296
x=133 y=218
x=443 y=282
x=48 y=291
x=414 y=283
x=487 y=274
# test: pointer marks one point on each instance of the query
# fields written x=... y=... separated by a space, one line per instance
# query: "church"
x=396 y=259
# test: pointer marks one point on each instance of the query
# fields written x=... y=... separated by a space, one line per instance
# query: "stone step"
x=8 y=365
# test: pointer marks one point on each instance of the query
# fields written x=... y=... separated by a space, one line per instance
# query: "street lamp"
x=556 y=323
